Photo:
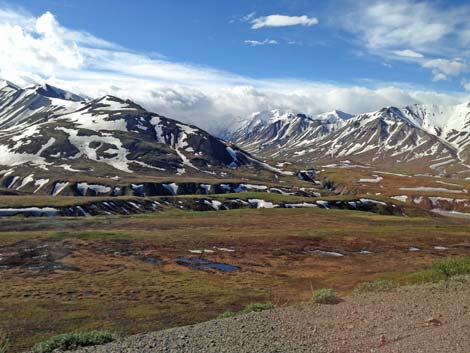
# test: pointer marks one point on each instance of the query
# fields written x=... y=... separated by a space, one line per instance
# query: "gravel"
x=416 y=319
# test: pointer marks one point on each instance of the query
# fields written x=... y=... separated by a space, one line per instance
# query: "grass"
x=324 y=296
x=73 y=340
x=3 y=342
x=92 y=235
x=250 y=308
x=442 y=270
x=269 y=246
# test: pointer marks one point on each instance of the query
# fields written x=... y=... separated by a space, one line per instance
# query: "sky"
x=214 y=62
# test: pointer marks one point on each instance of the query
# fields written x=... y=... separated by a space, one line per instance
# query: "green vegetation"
x=381 y=285
x=442 y=270
x=250 y=308
x=74 y=340
x=92 y=235
x=269 y=248
x=3 y=342
x=324 y=296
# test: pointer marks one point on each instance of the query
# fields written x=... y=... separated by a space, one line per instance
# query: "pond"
x=201 y=263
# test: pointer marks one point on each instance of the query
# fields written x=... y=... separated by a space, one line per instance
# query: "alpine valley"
x=234 y=176
x=115 y=217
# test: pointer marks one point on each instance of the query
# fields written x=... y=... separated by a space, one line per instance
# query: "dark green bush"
x=442 y=270
x=452 y=267
x=227 y=314
x=73 y=340
x=324 y=296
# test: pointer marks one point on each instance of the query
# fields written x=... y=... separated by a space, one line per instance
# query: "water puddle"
x=201 y=263
x=151 y=259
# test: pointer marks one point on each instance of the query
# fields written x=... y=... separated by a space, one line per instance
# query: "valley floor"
x=131 y=274
x=419 y=319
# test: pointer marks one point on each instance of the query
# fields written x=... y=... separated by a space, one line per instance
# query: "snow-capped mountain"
x=270 y=133
x=53 y=131
x=449 y=123
x=420 y=137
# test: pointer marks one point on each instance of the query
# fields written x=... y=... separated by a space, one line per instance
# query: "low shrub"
x=3 y=342
x=250 y=308
x=324 y=296
x=227 y=314
x=452 y=267
x=381 y=285
x=256 y=307
x=428 y=276
x=442 y=270
x=73 y=340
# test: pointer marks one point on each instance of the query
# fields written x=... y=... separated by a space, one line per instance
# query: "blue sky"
x=262 y=54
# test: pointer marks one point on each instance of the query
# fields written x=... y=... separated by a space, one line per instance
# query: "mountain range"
x=419 y=138
x=46 y=131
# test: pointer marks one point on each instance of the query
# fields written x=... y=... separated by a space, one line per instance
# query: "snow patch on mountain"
x=44 y=126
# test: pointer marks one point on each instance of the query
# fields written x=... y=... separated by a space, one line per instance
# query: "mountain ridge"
x=45 y=128
x=435 y=137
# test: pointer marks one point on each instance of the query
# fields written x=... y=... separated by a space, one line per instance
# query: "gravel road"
x=424 y=319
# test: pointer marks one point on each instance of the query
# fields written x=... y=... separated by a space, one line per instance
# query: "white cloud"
x=402 y=23
x=439 y=76
x=465 y=84
x=40 y=49
x=408 y=53
x=37 y=45
x=443 y=68
x=283 y=21
x=249 y=17
x=254 y=43
x=432 y=34
x=449 y=67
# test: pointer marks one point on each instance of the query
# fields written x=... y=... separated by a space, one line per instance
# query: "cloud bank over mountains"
x=39 y=49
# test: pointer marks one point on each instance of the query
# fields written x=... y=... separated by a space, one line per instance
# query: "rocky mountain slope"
x=47 y=132
x=268 y=133
x=419 y=137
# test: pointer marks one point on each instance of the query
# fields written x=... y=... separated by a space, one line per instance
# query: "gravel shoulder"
x=417 y=319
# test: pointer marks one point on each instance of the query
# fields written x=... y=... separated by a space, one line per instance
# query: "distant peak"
x=49 y=91
x=109 y=97
x=116 y=103
x=343 y=115
x=390 y=110
x=268 y=117
x=5 y=83
x=334 y=116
